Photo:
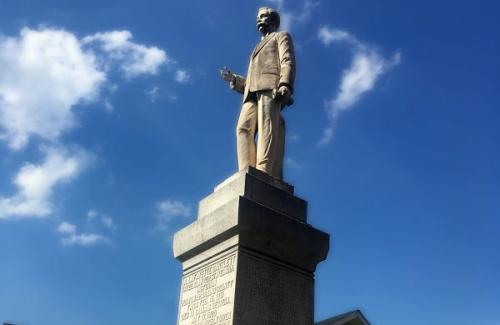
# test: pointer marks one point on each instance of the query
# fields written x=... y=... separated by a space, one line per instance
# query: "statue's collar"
x=262 y=43
x=262 y=38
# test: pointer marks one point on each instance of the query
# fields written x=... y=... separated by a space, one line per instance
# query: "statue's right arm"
x=238 y=83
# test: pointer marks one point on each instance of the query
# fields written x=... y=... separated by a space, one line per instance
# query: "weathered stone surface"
x=258 y=228
x=282 y=185
x=249 y=258
x=272 y=293
x=240 y=286
x=260 y=188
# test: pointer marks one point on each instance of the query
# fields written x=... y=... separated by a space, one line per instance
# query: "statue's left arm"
x=287 y=64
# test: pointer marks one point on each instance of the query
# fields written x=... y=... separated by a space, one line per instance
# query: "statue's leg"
x=268 y=124
x=245 y=135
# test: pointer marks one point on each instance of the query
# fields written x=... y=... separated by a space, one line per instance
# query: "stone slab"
x=260 y=175
x=269 y=292
x=258 y=190
x=257 y=228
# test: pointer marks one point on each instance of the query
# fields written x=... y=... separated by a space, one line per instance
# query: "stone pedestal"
x=250 y=257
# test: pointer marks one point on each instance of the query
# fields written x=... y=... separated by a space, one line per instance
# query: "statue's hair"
x=273 y=13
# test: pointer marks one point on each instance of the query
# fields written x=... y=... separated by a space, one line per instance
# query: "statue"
x=266 y=90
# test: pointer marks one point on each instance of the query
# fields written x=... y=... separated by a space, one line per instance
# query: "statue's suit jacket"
x=272 y=64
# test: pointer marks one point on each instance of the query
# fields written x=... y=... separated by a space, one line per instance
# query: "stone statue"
x=266 y=90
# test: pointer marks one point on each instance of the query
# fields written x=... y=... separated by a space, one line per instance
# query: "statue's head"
x=268 y=20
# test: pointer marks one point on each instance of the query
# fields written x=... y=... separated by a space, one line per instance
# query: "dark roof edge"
x=344 y=315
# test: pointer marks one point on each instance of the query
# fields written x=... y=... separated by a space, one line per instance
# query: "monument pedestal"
x=250 y=256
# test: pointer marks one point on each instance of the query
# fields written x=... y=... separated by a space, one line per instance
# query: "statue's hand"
x=227 y=75
x=236 y=82
x=283 y=94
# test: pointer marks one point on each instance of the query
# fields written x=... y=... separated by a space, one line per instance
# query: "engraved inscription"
x=207 y=294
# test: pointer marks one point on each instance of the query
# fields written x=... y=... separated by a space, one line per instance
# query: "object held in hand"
x=226 y=74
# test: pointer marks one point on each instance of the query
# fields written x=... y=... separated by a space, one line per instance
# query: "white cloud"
x=66 y=228
x=167 y=210
x=134 y=59
x=73 y=238
x=44 y=74
x=360 y=77
x=182 y=76
x=366 y=68
x=328 y=36
x=35 y=183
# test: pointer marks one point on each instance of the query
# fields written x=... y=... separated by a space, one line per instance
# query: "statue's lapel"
x=261 y=44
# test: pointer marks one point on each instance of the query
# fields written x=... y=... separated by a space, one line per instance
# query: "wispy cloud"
x=153 y=93
x=92 y=214
x=293 y=164
x=168 y=210
x=108 y=106
x=293 y=137
x=36 y=183
x=71 y=237
x=83 y=239
x=101 y=219
x=366 y=68
x=108 y=222
x=290 y=17
x=99 y=228
x=329 y=36
x=278 y=3
x=172 y=97
x=66 y=228
x=306 y=11
x=182 y=76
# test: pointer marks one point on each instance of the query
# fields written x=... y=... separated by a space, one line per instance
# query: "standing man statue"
x=266 y=90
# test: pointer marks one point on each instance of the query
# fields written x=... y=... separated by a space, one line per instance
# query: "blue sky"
x=114 y=123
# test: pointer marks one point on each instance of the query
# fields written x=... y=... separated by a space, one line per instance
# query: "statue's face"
x=264 y=21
